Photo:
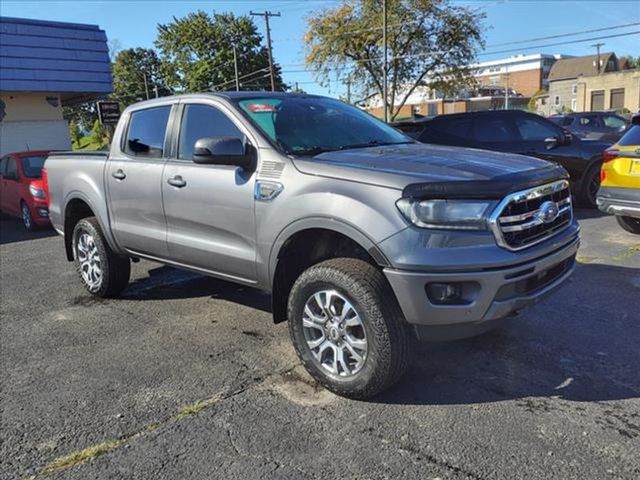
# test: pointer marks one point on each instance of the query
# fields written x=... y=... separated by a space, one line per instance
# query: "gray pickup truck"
x=365 y=239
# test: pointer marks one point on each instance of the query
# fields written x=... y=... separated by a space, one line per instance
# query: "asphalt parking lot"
x=186 y=377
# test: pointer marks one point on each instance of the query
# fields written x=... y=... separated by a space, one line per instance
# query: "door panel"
x=134 y=179
x=209 y=208
x=13 y=189
x=210 y=219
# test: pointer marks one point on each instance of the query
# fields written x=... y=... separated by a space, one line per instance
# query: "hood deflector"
x=494 y=188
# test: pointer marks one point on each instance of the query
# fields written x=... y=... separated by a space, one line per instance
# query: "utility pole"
x=266 y=14
x=348 y=82
x=597 y=46
x=146 y=85
x=235 y=66
x=384 y=61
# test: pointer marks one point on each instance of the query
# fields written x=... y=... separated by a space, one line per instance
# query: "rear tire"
x=27 y=219
x=630 y=224
x=359 y=343
x=589 y=187
x=102 y=272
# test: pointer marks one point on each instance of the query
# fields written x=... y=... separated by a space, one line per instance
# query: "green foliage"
x=136 y=76
x=196 y=53
x=428 y=40
x=82 y=114
x=99 y=135
x=74 y=132
x=629 y=62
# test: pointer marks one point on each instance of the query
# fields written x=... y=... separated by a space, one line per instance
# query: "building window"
x=556 y=100
x=574 y=89
x=617 y=99
x=574 y=104
x=597 y=100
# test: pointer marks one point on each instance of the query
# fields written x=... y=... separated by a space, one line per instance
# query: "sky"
x=134 y=24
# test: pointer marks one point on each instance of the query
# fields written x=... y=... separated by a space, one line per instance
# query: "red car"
x=22 y=192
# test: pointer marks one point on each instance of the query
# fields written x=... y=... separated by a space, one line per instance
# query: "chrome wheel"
x=26 y=217
x=334 y=333
x=89 y=260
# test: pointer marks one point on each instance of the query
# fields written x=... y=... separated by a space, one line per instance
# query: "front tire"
x=27 y=219
x=102 y=272
x=589 y=187
x=630 y=224
x=347 y=327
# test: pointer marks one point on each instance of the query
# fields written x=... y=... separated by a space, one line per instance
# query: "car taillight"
x=610 y=154
x=45 y=185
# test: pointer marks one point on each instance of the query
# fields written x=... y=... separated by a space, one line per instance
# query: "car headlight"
x=447 y=214
x=36 y=192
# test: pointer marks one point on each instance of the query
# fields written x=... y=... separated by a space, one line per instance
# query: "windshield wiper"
x=373 y=143
x=315 y=150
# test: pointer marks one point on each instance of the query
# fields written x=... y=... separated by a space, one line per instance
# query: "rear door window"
x=494 y=130
x=11 y=170
x=613 y=121
x=146 y=132
x=32 y=166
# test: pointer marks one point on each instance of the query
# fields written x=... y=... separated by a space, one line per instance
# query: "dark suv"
x=605 y=126
x=514 y=131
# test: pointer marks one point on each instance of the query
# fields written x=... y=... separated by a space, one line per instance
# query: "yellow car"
x=619 y=192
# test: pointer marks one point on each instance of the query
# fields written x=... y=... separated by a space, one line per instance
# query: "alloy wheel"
x=334 y=333
x=26 y=217
x=89 y=260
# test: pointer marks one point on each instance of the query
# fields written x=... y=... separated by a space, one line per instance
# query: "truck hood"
x=397 y=166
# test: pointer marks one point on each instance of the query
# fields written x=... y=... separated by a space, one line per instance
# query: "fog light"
x=443 y=293
x=43 y=212
x=454 y=293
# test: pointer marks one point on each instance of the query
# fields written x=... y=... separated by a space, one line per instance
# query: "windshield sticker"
x=260 y=107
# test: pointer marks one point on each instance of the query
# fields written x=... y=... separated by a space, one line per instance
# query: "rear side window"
x=588 y=121
x=147 y=129
x=448 y=131
x=632 y=137
x=612 y=121
x=11 y=170
x=493 y=130
x=200 y=121
x=3 y=163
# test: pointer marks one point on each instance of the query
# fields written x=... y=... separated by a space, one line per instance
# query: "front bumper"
x=502 y=291
x=619 y=201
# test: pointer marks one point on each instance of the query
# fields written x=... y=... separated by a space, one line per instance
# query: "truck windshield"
x=32 y=166
x=312 y=125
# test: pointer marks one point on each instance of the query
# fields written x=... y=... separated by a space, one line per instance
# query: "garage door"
x=597 y=100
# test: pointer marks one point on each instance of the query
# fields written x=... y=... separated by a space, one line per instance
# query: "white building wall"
x=34 y=135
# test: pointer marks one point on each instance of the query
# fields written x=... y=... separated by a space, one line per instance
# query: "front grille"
x=528 y=217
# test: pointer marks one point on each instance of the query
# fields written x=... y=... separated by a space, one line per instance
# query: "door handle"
x=177 y=182
x=119 y=174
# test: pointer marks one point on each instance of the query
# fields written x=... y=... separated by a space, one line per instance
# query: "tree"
x=197 y=54
x=74 y=132
x=99 y=135
x=629 y=62
x=83 y=115
x=136 y=76
x=429 y=41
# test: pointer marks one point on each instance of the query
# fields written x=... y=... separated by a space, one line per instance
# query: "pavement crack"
x=79 y=457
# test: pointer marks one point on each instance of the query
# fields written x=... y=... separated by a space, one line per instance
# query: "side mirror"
x=222 y=151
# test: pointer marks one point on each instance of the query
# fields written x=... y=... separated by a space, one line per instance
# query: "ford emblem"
x=548 y=212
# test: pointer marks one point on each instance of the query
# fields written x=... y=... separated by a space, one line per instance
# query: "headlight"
x=446 y=214
x=36 y=192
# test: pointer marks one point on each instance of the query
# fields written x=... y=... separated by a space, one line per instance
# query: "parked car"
x=605 y=126
x=514 y=131
x=620 y=187
x=364 y=238
x=22 y=193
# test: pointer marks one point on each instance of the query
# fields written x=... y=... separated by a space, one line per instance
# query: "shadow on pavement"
x=166 y=283
x=586 y=213
x=12 y=230
x=579 y=344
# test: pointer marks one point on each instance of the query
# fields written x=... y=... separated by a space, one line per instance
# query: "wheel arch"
x=78 y=206
x=311 y=241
